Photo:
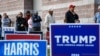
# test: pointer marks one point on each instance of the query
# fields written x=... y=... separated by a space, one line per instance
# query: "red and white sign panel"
x=23 y=37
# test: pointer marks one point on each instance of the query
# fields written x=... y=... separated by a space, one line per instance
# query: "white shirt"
x=30 y=25
x=49 y=19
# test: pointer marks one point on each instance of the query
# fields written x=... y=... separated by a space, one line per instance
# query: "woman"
x=20 y=22
x=6 y=21
x=30 y=25
x=0 y=26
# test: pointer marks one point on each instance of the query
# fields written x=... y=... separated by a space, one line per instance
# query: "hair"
x=21 y=13
x=28 y=12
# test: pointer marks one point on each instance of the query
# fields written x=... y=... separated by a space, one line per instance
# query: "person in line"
x=30 y=24
x=27 y=17
x=0 y=21
x=97 y=15
x=36 y=22
x=0 y=26
x=71 y=16
x=49 y=18
x=6 y=21
x=20 y=22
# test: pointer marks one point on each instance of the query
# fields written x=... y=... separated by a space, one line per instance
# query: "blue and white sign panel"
x=7 y=30
x=74 y=40
x=23 y=48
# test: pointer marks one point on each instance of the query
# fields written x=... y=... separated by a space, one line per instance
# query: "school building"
x=84 y=8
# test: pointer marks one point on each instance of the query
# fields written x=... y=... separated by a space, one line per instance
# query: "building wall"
x=84 y=8
x=28 y=5
x=13 y=7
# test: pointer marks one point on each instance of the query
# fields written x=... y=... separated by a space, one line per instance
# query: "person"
x=71 y=16
x=36 y=22
x=27 y=17
x=0 y=26
x=6 y=21
x=0 y=21
x=97 y=16
x=30 y=24
x=49 y=18
x=20 y=22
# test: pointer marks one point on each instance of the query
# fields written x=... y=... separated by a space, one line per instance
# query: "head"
x=28 y=13
x=36 y=13
x=50 y=12
x=5 y=15
x=99 y=8
x=72 y=8
x=20 y=14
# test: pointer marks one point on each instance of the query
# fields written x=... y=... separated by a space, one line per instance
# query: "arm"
x=95 y=18
x=65 y=20
x=46 y=20
x=40 y=19
x=76 y=17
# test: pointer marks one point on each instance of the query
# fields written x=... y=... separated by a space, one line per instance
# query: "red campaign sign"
x=23 y=37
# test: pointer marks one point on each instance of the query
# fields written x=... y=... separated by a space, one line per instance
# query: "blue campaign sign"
x=23 y=48
x=74 y=40
x=7 y=30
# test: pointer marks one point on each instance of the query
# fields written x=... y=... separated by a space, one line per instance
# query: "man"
x=49 y=18
x=36 y=22
x=71 y=16
x=97 y=15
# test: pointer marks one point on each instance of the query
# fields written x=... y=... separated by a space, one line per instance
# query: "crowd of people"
x=32 y=22
x=29 y=22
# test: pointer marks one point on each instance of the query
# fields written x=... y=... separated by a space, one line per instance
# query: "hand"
x=22 y=25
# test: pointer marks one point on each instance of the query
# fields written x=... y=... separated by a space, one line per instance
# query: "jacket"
x=49 y=19
x=70 y=17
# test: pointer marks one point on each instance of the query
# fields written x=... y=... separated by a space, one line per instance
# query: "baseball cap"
x=72 y=6
x=50 y=9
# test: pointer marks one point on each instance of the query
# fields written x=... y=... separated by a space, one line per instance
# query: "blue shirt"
x=36 y=21
x=97 y=17
x=6 y=22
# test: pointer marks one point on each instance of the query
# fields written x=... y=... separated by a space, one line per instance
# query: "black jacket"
x=70 y=18
x=36 y=19
x=19 y=22
x=0 y=23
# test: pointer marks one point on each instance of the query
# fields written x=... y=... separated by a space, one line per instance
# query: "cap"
x=72 y=6
x=50 y=9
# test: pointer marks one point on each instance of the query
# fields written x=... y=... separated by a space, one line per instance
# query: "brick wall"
x=11 y=5
x=49 y=2
x=84 y=8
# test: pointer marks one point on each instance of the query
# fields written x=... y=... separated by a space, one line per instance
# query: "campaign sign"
x=75 y=40
x=23 y=48
x=7 y=30
x=23 y=37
